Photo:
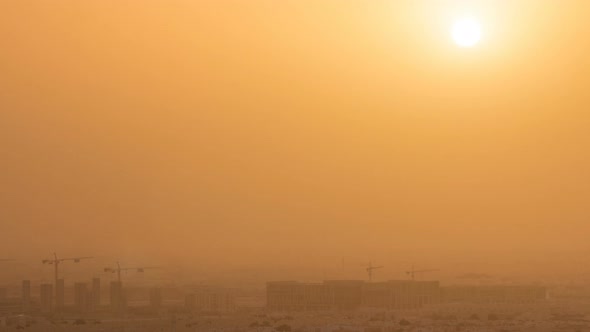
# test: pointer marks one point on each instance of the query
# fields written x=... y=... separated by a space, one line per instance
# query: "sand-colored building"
x=350 y=294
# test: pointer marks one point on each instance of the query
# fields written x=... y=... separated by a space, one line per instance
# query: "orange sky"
x=246 y=131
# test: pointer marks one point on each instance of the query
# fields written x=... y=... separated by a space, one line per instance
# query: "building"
x=81 y=297
x=60 y=295
x=210 y=300
x=26 y=294
x=331 y=294
x=345 y=294
x=95 y=294
x=156 y=299
x=117 y=297
x=46 y=298
x=494 y=294
x=190 y=302
x=350 y=295
x=401 y=294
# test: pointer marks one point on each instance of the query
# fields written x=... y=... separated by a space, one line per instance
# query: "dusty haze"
x=293 y=134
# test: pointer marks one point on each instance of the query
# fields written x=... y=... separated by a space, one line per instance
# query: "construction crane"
x=370 y=269
x=412 y=273
x=119 y=269
x=56 y=261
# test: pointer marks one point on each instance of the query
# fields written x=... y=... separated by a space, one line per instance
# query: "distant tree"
x=265 y=323
x=474 y=317
x=254 y=324
x=492 y=317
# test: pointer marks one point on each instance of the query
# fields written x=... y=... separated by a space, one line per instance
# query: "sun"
x=466 y=32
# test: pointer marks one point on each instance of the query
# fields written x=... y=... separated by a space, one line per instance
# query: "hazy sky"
x=264 y=131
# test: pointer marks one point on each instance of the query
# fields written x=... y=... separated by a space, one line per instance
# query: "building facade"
x=156 y=299
x=210 y=300
x=393 y=294
x=60 y=291
x=117 y=297
x=350 y=294
x=401 y=294
x=95 y=294
x=81 y=297
x=26 y=294
x=494 y=294
x=46 y=298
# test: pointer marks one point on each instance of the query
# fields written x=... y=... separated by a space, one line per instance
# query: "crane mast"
x=56 y=262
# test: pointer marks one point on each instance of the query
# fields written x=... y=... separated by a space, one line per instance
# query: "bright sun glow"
x=466 y=32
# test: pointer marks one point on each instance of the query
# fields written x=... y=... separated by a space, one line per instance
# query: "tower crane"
x=118 y=269
x=56 y=261
x=412 y=273
x=370 y=269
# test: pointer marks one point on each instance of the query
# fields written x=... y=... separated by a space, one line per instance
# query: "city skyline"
x=365 y=150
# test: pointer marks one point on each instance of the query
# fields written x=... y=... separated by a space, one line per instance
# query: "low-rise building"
x=401 y=294
x=350 y=294
x=210 y=300
x=494 y=294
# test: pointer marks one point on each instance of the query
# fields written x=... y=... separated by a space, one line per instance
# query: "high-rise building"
x=81 y=297
x=95 y=303
x=117 y=300
x=190 y=301
x=156 y=298
x=59 y=295
x=26 y=294
x=46 y=299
